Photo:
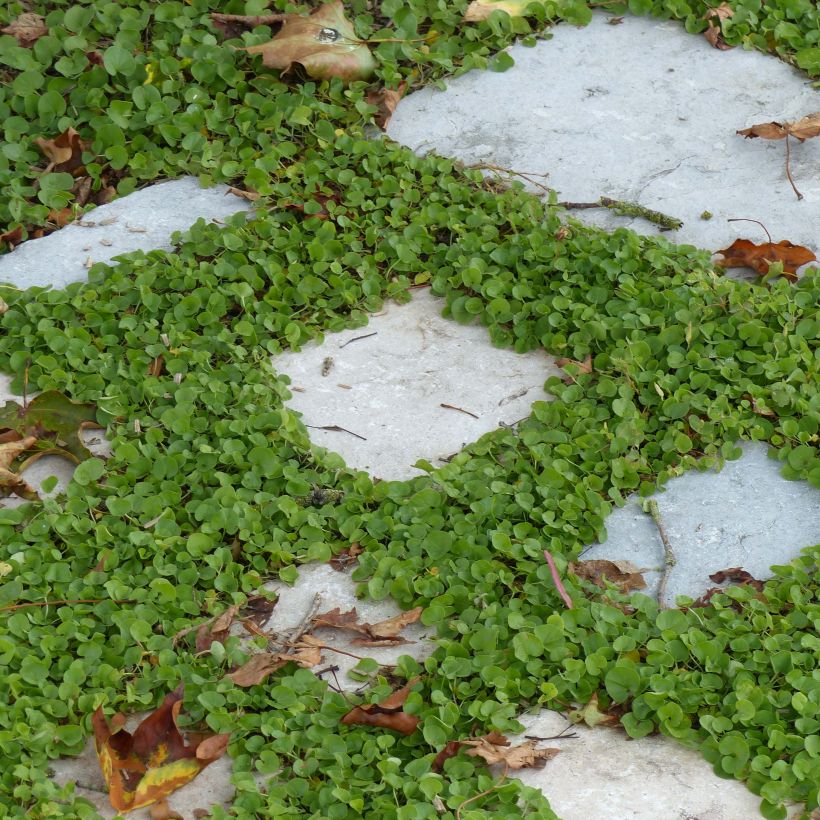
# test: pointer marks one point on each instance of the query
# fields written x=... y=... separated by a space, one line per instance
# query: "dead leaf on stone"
x=743 y=253
x=578 y=368
x=623 y=574
x=258 y=609
x=251 y=196
x=591 y=715
x=27 y=29
x=12 y=237
x=736 y=575
x=385 y=100
x=714 y=32
x=64 y=152
x=383 y=633
x=802 y=129
x=146 y=767
x=480 y=10
x=388 y=714
x=61 y=217
x=523 y=756
x=324 y=44
x=10 y=482
x=347 y=557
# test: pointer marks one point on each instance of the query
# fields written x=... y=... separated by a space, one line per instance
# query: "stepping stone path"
x=659 y=129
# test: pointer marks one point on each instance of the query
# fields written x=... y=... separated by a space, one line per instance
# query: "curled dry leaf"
x=388 y=714
x=162 y=811
x=27 y=29
x=324 y=44
x=495 y=748
x=714 y=32
x=480 y=10
x=385 y=100
x=592 y=715
x=347 y=557
x=802 y=129
x=12 y=237
x=305 y=653
x=11 y=482
x=743 y=253
x=251 y=196
x=155 y=761
x=737 y=575
x=383 y=633
x=623 y=574
x=64 y=153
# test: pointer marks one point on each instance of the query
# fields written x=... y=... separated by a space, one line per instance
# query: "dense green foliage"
x=685 y=361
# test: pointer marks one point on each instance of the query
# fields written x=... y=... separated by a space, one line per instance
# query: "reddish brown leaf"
x=336 y=619
x=62 y=217
x=385 y=101
x=146 y=767
x=802 y=129
x=27 y=29
x=386 y=715
x=346 y=557
x=745 y=254
x=258 y=609
x=383 y=633
x=256 y=669
x=714 y=32
x=156 y=366
x=737 y=575
x=162 y=811
x=450 y=750
x=216 y=629
x=12 y=237
x=623 y=574
x=65 y=152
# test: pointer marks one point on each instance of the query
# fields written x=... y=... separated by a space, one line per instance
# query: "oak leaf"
x=27 y=29
x=324 y=44
x=743 y=253
x=388 y=714
x=146 y=767
x=623 y=574
x=714 y=32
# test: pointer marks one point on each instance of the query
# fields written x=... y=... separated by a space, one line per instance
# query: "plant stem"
x=651 y=506
x=663 y=221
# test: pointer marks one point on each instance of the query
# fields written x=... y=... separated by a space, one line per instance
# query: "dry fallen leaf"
x=743 y=253
x=346 y=557
x=11 y=482
x=623 y=574
x=155 y=761
x=12 y=237
x=523 y=756
x=383 y=633
x=324 y=43
x=306 y=652
x=737 y=575
x=388 y=714
x=581 y=367
x=28 y=28
x=802 y=129
x=251 y=196
x=385 y=100
x=64 y=152
x=162 y=811
x=714 y=33
x=591 y=715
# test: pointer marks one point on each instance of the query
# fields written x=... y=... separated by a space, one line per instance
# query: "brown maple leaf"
x=155 y=761
x=802 y=129
x=623 y=574
x=385 y=101
x=743 y=253
x=714 y=32
x=389 y=714
x=27 y=29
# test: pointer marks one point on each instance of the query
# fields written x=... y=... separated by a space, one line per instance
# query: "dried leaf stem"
x=756 y=221
x=651 y=506
x=789 y=169
x=623 y=208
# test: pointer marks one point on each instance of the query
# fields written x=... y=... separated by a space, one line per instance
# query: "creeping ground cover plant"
x=110 y=593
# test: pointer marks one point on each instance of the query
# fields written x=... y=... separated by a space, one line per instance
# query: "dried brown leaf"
x=256 y=669
x=12 y=237
x=714 y=32
x=385 y=100
x=592 y=715
x=27 y=29
x=162 y=811
x=579 y=367
x=623 y=574
x=743 y=253
x=251 y=196
x=386 y=715
x=346 y=557
x=523 y=756
x=64 y=152
x=802 y=129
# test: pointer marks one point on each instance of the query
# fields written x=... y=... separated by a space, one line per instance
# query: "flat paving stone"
x=144 y=220
x=747 y=515
x=641 y=111
x=389 y=388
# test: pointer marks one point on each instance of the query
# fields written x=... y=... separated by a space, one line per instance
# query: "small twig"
x=250 y=20
x=304 y=625
x=757 y=222
x=25 y=384
x=566 y=734
x=663 y=221
x=357 y=338
x=525 y=175
x=460 y=410
x=342 y=652
x=651 y=506
x=334 y=428
x=557 y=580
x=326 y=670
x=789 y=170
x=485 y=792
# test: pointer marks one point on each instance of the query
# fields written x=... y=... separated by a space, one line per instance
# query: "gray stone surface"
x=640 y=111
x=747 y=515
x=144 y=220
x=389 y=388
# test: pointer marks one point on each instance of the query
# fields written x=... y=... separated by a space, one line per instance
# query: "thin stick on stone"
x=650 y=506
x=619 y=206
x=305 y=625
x=789 y=169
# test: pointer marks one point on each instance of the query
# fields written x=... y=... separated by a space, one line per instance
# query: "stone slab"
x=640 y=111
x=747 y=515
x=144 y=220
x=389 y=388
